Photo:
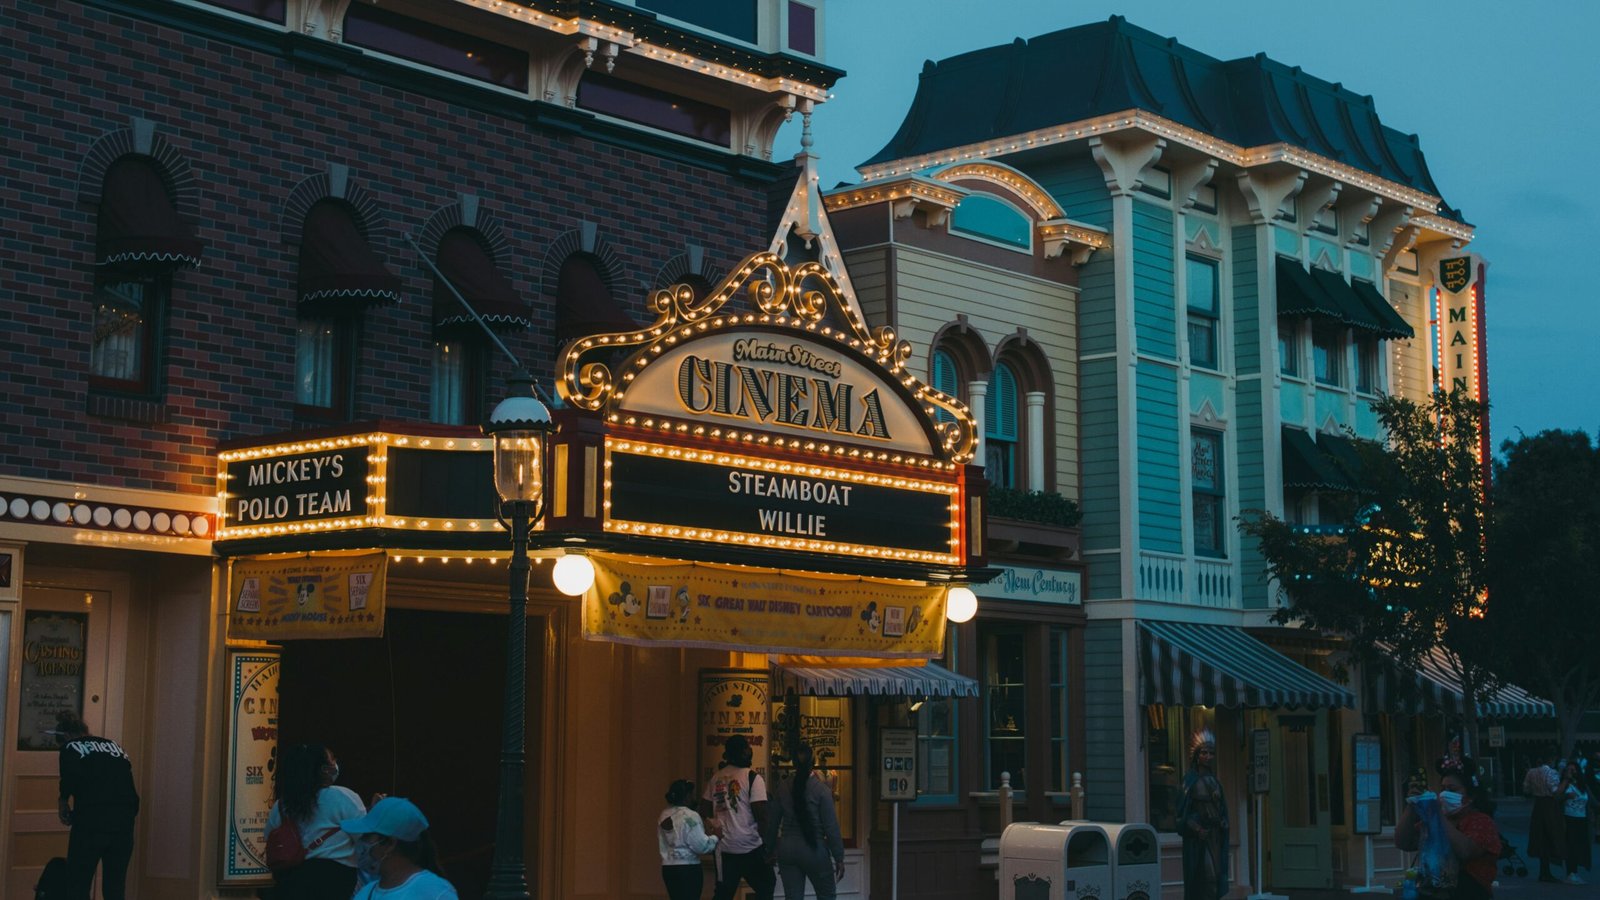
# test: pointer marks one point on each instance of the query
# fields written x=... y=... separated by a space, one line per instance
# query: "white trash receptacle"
x=1135 y=861
x=1055 y=862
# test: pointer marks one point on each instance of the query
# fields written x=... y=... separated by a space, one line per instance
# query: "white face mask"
x=1449 y=802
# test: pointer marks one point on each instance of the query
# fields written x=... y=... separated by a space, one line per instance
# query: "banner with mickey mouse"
x=637 y=600
x=324 y=595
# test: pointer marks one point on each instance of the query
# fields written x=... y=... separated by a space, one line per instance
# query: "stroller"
x=1511 y=862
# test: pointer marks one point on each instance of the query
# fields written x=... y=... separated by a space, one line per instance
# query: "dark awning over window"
x=1390 y=323
x=137 y=227
x=584 y=304
x=1188 y=664
x=1308 y=466
x=1435 y=688
x=1327 y=295
x=337 y=266
x=464 y=261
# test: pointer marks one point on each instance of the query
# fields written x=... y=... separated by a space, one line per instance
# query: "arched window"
x=467 y=268
x=339 y=277
x=992 y=219
x=584 y=304
x=1001 y=429
x=139 y=242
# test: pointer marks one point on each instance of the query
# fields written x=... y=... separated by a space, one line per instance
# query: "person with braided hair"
x=806 y=832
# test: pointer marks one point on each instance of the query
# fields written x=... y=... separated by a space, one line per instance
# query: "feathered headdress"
x=1202 y=738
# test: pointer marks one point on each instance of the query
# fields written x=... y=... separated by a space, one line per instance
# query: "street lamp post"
x=520 y=426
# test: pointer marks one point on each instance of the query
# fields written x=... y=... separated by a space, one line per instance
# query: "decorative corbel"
x=1266 y=189
x=1189 y=177
x=1399 y=242
x=1361 y=213
x=1380 y=231
x=1076 y=241
x=590 y=45
x=1124 y=159
x=1318 y=193
x=322 y=18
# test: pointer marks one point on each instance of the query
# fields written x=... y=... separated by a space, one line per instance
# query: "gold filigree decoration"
x=798 y=297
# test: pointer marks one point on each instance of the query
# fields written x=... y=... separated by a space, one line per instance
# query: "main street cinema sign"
x=785 y=425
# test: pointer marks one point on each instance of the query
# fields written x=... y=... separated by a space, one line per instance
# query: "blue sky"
x=1505 y=97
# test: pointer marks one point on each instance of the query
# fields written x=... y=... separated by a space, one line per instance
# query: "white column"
x=1035 y=402
x=977 y=401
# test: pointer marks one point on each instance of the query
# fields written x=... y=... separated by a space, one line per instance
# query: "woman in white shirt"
x=308 y=797
x=681 y=838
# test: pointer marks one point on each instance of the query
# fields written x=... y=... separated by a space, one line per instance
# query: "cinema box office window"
x=774 y=517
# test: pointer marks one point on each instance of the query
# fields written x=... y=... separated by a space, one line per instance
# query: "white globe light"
x=573 y=575
x=960 y=604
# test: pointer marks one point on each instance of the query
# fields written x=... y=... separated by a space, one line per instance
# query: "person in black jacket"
x=99 y=802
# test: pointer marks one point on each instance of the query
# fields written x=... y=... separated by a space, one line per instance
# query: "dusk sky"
x=1503 y=95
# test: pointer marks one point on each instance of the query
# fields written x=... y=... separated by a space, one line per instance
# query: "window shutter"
x=1001 y=409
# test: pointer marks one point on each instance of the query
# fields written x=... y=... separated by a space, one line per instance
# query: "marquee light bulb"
x=573 y=575
x=960 y=605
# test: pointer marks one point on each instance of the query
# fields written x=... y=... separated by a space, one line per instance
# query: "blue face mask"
x=368 y=864
x=1449 y=802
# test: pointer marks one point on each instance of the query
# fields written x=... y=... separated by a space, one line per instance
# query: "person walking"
x=1203 y=823
x=99 y=802
x=396 y=853
x=1574 y=794
x=736 y=798
x=805 y=830
x=312 y=805
x=1546 y=828
x=682 y=838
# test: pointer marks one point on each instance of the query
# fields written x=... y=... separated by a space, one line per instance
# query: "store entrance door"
x=417 y=714
x=1302 y=848
x=63 y=648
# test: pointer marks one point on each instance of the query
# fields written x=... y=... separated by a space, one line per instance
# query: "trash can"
x=1054 y=862
x=1135 y=861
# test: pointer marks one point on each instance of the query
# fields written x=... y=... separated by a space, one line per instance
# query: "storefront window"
x=1002 y=662
x=1168 y=730
x=825 y=724
x=936 y=741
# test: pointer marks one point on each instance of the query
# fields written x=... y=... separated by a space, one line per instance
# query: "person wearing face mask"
x=1471 y=834
x=310 y=801
x=395 y=851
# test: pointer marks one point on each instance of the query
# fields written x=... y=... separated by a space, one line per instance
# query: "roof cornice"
x=1143 y=121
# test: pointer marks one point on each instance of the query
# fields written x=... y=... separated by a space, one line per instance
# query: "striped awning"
x=1187 y=664
x=1434 y=688
x=881 y=681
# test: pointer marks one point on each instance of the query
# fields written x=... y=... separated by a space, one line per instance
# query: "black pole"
x=508 y=873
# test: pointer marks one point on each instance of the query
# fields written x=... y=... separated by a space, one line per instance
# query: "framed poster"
x=54 y=647
x=1260 y=761
x=252 y=758
x=10 y=572
x=732 y=701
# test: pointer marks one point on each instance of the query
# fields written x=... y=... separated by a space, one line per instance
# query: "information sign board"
x=898 y=757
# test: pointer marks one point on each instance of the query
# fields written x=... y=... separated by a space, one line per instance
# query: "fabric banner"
x=315 y=597
x=644 y=601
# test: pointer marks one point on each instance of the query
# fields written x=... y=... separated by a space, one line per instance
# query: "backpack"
x=53 y=881
x=284 y=847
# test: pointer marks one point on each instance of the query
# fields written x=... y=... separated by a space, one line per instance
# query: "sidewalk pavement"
x=1512 y=818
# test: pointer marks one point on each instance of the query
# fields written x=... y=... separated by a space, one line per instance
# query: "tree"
x=1406 y=571
x=1544 y=556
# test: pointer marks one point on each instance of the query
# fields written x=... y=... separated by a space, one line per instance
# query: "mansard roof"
x=1110 y=67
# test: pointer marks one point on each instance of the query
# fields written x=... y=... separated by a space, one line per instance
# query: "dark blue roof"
x=1112 y=66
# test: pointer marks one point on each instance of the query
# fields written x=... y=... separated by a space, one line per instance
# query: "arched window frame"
x=976 y=202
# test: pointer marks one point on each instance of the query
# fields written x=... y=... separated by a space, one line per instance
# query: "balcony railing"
x=1174 y=578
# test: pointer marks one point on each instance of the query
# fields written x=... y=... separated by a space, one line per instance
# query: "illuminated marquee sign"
x=800 y=371
x=365 y=480
x=662 y=491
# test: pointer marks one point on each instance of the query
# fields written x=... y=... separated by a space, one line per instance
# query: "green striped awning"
x=1188 y=664
x=1434 y=688
x=882 y=681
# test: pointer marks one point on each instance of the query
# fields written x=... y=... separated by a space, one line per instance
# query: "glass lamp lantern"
x=520 y=425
